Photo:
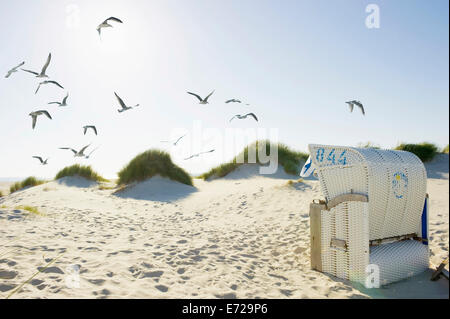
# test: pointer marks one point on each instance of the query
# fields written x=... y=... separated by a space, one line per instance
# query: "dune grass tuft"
x=445 y=149
x=1 y=194
x=368 y=145
x=81 y=171
x=425 y=151
x=31 y=209
x=150 y=163
x=289 y=159
x=28 y=182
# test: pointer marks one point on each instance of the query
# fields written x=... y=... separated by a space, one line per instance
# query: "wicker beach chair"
x=373 y=224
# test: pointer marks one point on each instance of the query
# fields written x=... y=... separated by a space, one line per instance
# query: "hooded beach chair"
x=372 y=227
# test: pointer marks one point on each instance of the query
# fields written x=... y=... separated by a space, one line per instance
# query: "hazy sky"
x=296 y=62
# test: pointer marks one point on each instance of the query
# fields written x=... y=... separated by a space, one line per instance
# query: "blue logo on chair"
x=399 y=184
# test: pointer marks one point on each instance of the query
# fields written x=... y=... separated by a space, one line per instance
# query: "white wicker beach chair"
x=374 y=219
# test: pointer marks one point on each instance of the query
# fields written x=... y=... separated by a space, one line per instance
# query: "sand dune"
x=243 y=236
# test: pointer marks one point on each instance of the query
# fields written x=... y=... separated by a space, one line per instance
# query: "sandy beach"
x=242 y=236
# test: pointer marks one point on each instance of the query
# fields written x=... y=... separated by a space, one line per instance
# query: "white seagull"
x=176 y=142
x=76 y=153
x=48 y=82
x=13 y=70
x=202 y=101
x=233 y=101
x=245 y=116
x=85 y=128
x=105 y=24
x=44 y=68
x=123 y=105
x=35 y=114
x=351 y=104
x=63 y=103
x=41 y=160
x=198 y=154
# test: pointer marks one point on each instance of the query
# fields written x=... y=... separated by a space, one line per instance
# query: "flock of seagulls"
x=123 y=107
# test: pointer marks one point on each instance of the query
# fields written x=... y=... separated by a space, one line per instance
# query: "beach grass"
x=80 y=171
x=28 y=182
x=369 y=145
x=31 y=209
x=1 y=194
x=150 y=163
x=425 y=151
x=288 y=158
x=445 y=149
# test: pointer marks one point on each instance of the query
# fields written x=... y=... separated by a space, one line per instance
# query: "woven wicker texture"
x=394 y=181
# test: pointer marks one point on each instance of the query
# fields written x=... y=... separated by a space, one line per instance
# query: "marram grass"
x=150 y=163
x=31 y=209
x=80 y=171
x=445 y=149
x=289 y=159
x=28 y=182
x=425 y=151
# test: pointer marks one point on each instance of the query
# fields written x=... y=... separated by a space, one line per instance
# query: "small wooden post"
x=315 y=234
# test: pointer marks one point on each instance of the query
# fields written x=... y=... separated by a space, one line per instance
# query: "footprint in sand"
x=162 y=288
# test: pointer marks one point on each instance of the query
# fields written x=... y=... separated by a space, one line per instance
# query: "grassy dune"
x=289 y=159
x=425 y=151
x=445 y=149
x=150 y=163
x=81 y=171
x=28 y=182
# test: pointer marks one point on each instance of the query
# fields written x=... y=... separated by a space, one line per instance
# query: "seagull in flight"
x=105 y=24
x=233 y=101
x=44 y=68
x=13 y=70
x=41 y=160
x=48 y=82
x=89 y=155
x=202 y=101
x=35 y=115
x=76 y=153
x=85 y=128
x=244 y=116
x=63 y=103
x=351 y=104
x=198 y=154
x=123 y=105
x=176 y=142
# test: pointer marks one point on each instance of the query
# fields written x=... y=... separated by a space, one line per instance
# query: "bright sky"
x=296 y=62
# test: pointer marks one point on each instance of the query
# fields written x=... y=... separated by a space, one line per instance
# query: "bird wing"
x=210 y=151
x=233 y=118
x=197 y=96
x=46 y=114
x=55 y=83
x=113 y=19
x=84 y=130
x=84 y=148
x=229 y=101
x=55 y=103
x=34 y=117
x=39 y=158
x=92 y=151
x=350 y=105
x=252 y=115
x=29 y=71
x=8 y=74
x=206 y=98
x=39 y=86
x=44 y=68
x=122 y=104
x=179 y=139
x=359 y=104
x=68 y=148
x=94 y=128
x=189 y=157
x=65 y=99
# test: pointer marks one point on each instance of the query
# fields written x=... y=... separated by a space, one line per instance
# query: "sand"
x=243 y=236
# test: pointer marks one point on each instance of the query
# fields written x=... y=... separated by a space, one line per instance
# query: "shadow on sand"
x=76 y=181
x=438 y=167
x=157 y=189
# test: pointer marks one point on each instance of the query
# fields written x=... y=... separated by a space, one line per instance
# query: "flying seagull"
x=245 y=116
x=202 y=101
x=85 y=128
x=176 y=142
x=63 y=103
x=123 y=105
x=198 y=154
x=44 y=68
x=351 y=104
x=41 y=160
x=105 y=24
x=76 y=153
x=35 y=114
x=13 y=70
x=89 y=155
x=233 y=101
x=47 y=82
